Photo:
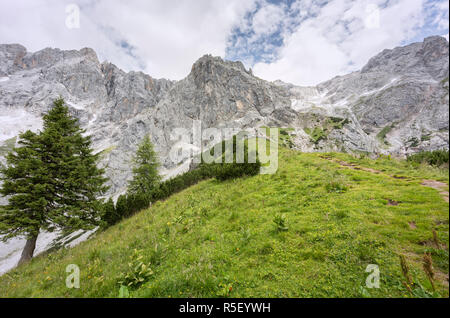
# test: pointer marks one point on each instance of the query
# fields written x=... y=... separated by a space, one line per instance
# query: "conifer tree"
x=25 y=181
x=145 y=170
x=109 y=213
x=52 y=180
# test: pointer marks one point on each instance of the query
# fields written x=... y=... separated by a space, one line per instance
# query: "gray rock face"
x=418 y=59
x=101 y=96
x=405 y=92
x=397 y=103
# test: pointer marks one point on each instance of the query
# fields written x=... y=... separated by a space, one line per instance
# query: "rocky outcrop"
x=404 y=92
x=397 y=103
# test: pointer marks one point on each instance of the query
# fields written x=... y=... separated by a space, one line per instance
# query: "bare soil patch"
x=440 y=186
x=392 y=202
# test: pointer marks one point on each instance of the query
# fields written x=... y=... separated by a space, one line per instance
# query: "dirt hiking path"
x=440 y=186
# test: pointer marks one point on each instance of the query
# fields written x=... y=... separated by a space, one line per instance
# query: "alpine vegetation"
x=221 y=183
x=145 y=171
x=146 y=186
x=52 y=181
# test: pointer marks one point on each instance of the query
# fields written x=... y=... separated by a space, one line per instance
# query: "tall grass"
x=434 y=158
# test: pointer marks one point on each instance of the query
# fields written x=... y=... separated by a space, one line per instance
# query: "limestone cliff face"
x=397 y=104
x=402 y=92
x=405 y=89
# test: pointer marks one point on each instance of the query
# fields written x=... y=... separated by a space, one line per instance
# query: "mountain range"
x=396 y=104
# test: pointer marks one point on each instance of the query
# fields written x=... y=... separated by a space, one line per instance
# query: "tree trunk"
x=28 y=250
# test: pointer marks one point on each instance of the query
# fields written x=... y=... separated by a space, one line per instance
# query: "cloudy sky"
x=299 y=41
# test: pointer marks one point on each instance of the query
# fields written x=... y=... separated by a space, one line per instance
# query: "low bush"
x=126 y=206
x=336 y=186
x=181 y=182
x=224 y=171
x=129 y=204
x=316 y=134
x=227 y=171
x=280 y=221
x=109 y=215
x=138 y=272
x=434 y=158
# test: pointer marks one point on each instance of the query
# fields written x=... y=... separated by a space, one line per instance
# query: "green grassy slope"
x=220 y=239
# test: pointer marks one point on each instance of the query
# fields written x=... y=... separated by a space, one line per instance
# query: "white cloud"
x=267 y=19
x=441 y=18
x=166 y=37
x=338 y=40
x=41 y=24
x=305 y=59
x=321 y=38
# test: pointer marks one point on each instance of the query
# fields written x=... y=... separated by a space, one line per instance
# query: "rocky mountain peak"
x=14 y=58
x=435 y=41
x=428 y=58
x=11 y=56
x=397 y=104
x=398 y=87
x=434 y=52
x=90 y=54
x=214 y=69
x=208 y=60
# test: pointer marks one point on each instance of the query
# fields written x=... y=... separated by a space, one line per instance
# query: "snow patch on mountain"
x=11 y=251
x=405 y=88
x=16 y=120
